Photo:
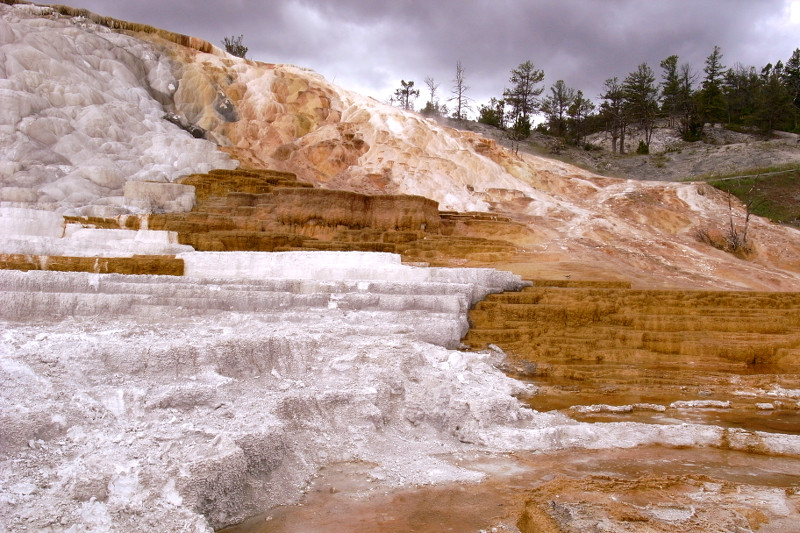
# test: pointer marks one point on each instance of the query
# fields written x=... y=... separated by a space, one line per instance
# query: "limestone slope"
x=292 y=119
x=99 y=152
x=82 y=116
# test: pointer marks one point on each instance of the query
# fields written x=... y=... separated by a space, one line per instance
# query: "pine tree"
x=774 y=100
x=556 y=107
x=406 y=94
x=525 y=88
x=678 y=98
x=791 y=78
x=519 y=131
x=641 y=99
x=670 y=89
x=691 y=126
x=579 y=111
x=740 y=89
x=712 y=102
x=493 y=113
x=613 y=111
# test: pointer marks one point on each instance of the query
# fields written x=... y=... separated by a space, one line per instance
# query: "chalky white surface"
x=79 y=117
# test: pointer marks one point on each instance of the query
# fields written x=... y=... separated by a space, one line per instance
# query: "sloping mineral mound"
x=84 y=121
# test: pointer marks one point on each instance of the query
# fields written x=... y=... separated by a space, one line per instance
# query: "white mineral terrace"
x=129 y=401
x=144 y=403
x=44 y=233
x=80 y=128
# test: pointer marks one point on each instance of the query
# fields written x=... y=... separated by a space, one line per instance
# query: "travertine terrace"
x=220 y=276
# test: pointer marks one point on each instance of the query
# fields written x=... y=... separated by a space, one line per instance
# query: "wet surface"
x=754 y=398
x=343 y=499
x=649 y=488
x=664 y=488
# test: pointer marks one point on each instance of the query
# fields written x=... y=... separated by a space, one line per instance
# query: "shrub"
x=733 y=241
x=643 y=148
x=233 y=45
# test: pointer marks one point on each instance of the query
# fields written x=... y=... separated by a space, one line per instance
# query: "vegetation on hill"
x=751 y=99
x=773 y=193
x=682 y=126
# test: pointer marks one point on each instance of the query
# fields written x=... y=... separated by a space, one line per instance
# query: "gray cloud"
x=370 y=46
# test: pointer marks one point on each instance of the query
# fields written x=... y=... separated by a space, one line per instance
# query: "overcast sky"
x=370 y=45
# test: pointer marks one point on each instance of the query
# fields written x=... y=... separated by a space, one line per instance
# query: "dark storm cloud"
x=369 y=45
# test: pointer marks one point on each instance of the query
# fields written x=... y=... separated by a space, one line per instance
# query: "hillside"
x=221 y=277
x=285 y=118
x=723 y=153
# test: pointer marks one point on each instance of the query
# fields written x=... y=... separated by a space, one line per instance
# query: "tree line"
x=738 y=97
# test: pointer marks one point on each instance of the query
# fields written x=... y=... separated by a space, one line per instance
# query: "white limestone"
x=30 y=223
x=45 y=233
x=79 y=118
x=298 y=265
x=254 y=378
x=335 y=266
x=155 y=197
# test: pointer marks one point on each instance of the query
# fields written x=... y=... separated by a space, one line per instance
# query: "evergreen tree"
x=774 y=100
x=711 y=100
x=431 y=110
x=579 y=112
x=670 y=89
x=677 y=97
x=791 y=78
x=526 y=86
x=613 y=110
x=519 y=131
x=406 y=94
x=690 y=124
x=740 y=89
x=641 y=99
x=493 y=114
x=556 y=107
